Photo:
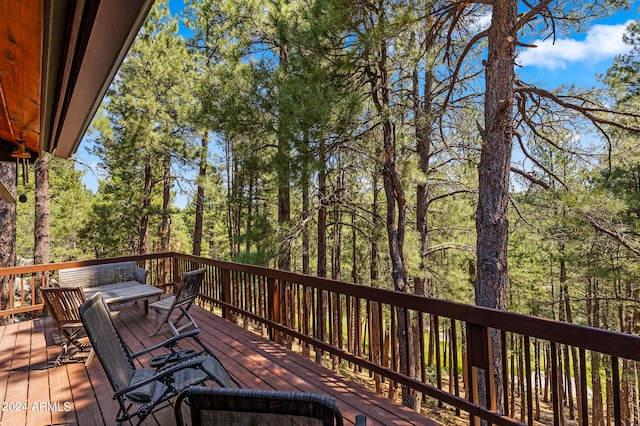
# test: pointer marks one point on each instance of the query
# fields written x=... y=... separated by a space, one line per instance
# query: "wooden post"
x=480 y=357
x=225 y=277
x=274 y=309
x=176 y=278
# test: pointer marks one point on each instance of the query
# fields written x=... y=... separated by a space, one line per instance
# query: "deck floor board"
x=28 y=349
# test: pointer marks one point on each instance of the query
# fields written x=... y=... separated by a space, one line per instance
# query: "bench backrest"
x=95 y=275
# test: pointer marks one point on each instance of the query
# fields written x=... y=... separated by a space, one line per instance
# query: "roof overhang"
x=57 y=59
x=74 y=85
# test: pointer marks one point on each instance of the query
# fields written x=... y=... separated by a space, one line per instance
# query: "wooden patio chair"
x=62 y=304
x=138 y=390
x=240 y=407
x=181 y=301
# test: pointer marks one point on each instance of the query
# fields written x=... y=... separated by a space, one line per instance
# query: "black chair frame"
x=247 y=402
x=140 y=391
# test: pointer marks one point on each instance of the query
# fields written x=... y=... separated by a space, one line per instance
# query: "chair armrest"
x=160 y=374
x=160 y=361
x=168 y=344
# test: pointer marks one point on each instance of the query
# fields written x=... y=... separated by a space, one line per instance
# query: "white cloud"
x=482 y=22
x=602 y=42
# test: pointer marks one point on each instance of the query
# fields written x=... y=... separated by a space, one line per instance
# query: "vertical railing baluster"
x=555 y=386
x=472 y=383
x=329 y=322
x=313 y=310
x=340 y=311
x=615 y=384
x=351 y=344
x=284 y=304
x=392 y=337
x=454 y=354
x=436 y=326
x=505 y=375
x=357 y=318
x=10 y=295
x=246 y=284
x=306 y=317
x=407 y=338
x=253 y=294
x=527 y=368
x=321 y=322
x=369 y=334
x=225 y=288
x=584 y=405
x=298 y=307
x=381 y=331
x=421 y=331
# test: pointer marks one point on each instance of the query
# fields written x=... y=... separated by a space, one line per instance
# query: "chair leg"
x=89 y=360
x=160 y=324
x=62 y=355
x=65 y=357
x=191 y=322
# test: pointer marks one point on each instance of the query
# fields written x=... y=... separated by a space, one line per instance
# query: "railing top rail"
x=604 y=341
x=16 y=270
x=590 y=338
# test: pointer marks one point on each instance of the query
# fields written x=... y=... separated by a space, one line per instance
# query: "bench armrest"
x=140 y=275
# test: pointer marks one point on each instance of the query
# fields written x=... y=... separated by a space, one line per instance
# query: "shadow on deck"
x=32 y=392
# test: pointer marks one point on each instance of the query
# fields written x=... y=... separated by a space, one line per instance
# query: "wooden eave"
x=57 y=59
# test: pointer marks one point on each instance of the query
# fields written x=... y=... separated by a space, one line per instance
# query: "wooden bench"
x=118 y=282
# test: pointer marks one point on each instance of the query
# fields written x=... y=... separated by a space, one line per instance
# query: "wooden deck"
x=33 y=392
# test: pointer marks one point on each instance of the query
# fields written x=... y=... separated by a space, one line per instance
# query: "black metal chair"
x=140 y=391
x=182 y=301
x=239 y=407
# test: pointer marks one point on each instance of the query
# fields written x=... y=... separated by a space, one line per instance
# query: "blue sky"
x=580 y=57
x=570 y=59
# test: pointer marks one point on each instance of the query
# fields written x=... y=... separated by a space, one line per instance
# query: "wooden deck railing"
x=550 y=371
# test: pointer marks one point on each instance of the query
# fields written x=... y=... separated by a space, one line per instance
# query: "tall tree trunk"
x=336 y=263
x=306 y=240
x=146 y=202
x=42 y=238
x=306 y=208
x=7 y=231
x=230 y=168
x=593 y=313
x=423 y=146
x=564 y=290
x=237 y=197
x=396 y=216
x=284 y=175
x=421 y=112
x=321 y=268
x=492 y=225
x=202 y=174
x=249 y=207
x=355 y=342
x=376 y=343
x=165 y=226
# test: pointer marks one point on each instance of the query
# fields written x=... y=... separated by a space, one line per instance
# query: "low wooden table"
x=131 y=291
